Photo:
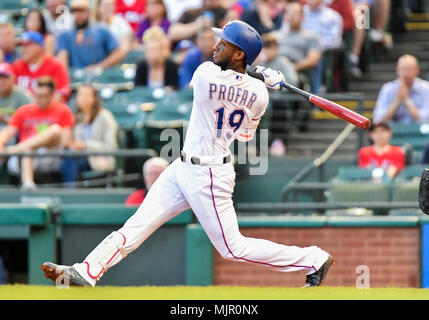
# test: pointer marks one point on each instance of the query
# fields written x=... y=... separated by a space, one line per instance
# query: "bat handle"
x=294 y=89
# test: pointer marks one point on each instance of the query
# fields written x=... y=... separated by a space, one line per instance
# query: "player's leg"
x=163 y=202
x=211 y=201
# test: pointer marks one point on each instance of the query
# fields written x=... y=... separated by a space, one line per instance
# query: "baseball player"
x=228 y=104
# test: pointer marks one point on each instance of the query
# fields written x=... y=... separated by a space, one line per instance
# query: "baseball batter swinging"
x=228 y=104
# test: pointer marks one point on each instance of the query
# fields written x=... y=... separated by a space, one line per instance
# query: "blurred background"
x=88 y=87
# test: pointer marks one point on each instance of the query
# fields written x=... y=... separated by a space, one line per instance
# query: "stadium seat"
x=410 y=129
x=354 y=173
x=115 y=75
x=411 y=172
x=359 y=192
x=418 y=143
x=133 y=56
x=172 y=112
x=18 y=6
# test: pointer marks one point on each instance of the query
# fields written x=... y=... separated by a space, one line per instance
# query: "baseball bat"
x=330 y=106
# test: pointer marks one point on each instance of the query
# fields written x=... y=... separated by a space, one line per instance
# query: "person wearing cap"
x=88 y=44
x=11 y=96
x=35 y=63
x=381 y=154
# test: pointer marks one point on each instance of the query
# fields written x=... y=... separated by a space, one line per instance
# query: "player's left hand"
x=273 y=79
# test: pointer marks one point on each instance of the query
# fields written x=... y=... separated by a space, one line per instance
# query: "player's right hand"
x=273 y=78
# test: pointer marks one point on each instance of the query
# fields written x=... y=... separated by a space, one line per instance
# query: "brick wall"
x=392 y=255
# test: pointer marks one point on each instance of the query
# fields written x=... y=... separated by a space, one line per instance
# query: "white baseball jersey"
x=227 y=105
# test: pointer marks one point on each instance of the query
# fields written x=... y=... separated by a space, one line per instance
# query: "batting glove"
x=273 y=79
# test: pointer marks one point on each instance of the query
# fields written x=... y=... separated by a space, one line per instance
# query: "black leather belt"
x=196 y=160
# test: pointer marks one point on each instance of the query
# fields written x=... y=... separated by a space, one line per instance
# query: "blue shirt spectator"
x=263 y=17
x=203 y=51
x=96 y=45
x=87 y=44
x=325 y=22
x=405 y=99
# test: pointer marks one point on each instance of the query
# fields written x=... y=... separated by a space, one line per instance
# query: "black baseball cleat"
x=316 y=279
x=66 y=274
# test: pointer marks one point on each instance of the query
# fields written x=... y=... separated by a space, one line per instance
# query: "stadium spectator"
x=156 y=15
x=36 y=22
x=157 y=70
x=391 y=159
x=95 y=129
x=9 y=51
x=131 y=10
x=328 y=24
x=118 y=26
x=89 y=44
x=175 y=9
x=264 y=17
x=210 y=14
x=377 y=34
x=45 y=124
x=152 y=169
x=57 y=17
x=300 y=46
x=405 y=99
x=36 y=63
x=11 y=96
x=270 y=58
x=203 y=51
x=345 y=9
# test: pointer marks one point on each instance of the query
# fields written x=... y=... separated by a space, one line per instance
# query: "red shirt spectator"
x=368 y=157
x=35 y=64
x=136 y=198
x=29 y=119
x=345 y=9
x=381 y=154
x=132 y=10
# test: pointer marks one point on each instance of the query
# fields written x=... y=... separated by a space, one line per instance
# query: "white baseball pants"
x=207 y=190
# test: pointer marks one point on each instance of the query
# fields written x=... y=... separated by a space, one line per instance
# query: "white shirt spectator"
x=325 y=22
x=175 y=8
x=418 y=93
x=120 y=28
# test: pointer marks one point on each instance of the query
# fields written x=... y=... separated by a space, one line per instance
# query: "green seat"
x=65 y=196
x=78 y=75
x=363 y=192
x=409 y=129
x=18 y=6
x=411 y=172
x=133 y=56
x=354 y=173
x=405 y=191
x=172 y=112
x=360 y=193
x=418 y=143
x=115 y=75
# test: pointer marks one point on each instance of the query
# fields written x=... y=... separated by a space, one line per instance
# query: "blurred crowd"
x=317 y=44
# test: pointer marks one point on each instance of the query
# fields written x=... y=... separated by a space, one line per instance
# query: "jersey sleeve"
x=204 y=70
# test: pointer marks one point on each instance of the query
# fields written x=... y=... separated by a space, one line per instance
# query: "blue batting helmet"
x=243 y=36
